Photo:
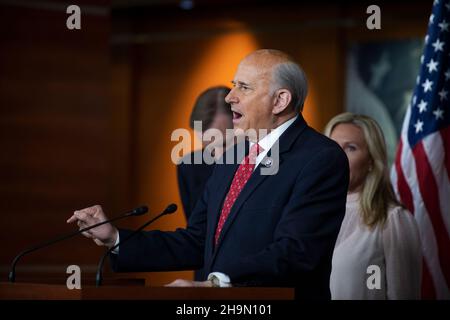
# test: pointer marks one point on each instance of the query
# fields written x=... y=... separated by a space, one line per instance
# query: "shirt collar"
x=269 y=140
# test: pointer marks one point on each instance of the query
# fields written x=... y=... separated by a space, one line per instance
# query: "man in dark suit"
x=211 y=110
x=249 y=228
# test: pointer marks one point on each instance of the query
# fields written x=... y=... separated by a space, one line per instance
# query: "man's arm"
x=156 y=250
x=184 y=189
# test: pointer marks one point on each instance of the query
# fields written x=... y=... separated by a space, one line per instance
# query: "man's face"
x=251 y=97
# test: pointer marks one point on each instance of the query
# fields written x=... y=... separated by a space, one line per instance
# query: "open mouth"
x=236 y=115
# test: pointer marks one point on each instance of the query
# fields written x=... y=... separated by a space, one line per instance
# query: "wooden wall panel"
x=55 y=132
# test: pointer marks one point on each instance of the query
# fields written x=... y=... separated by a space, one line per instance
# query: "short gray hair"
x=289 y=75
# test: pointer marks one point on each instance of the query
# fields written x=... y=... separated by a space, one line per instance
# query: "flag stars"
x=439 y=113
x=432 y=19
x=443 y=94
x=443 y=25
x=438 y=45
x=419 y=126
x=432 y=66
x=447 y=6
x=422 y=106
x=427 y=85
x=447 y=75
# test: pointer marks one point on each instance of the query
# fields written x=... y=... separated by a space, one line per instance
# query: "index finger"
x=84 y=216
x=73 y=218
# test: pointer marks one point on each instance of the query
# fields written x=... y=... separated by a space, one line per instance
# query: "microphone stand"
x=12 y=273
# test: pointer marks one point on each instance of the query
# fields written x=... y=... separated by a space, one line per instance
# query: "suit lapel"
x=228 y=175
x=255 y=179
x=218 y=201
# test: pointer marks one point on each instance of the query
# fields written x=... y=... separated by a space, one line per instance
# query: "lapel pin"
x=268 y=162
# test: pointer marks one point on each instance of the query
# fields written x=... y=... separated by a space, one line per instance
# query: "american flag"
x=421 y=173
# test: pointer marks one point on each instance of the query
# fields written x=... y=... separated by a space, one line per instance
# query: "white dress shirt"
x=269 y=140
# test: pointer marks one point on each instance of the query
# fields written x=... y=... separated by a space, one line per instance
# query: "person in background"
x=378 y=251
x=214 y=113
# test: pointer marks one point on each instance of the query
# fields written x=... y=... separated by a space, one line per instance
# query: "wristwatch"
x=215 y=281
x=219 y=280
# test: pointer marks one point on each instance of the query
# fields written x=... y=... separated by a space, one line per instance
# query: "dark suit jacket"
x=192 y=180
x=281 y=230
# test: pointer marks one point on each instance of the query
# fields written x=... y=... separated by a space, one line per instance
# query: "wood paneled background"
x=86 y=116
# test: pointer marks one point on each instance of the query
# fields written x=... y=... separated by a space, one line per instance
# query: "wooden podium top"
x=33 y=291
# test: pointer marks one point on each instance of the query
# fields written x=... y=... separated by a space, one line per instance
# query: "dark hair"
x=208 y=104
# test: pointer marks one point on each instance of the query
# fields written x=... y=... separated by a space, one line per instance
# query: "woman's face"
x=351 y=139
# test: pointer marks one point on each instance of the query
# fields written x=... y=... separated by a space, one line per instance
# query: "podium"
x=35 y=291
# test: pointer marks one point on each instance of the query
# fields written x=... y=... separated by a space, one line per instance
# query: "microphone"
x=171 y=208
x=12 y=274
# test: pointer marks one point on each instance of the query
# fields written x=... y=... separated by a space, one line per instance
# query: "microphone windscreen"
x=171 y=208
x=140 y=211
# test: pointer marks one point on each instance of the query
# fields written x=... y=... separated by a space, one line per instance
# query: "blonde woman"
x=377 y=253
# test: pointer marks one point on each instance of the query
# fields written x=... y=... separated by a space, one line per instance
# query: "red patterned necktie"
x=241 y=177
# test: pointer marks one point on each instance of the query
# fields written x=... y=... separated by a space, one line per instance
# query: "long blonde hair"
x=377 y=195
